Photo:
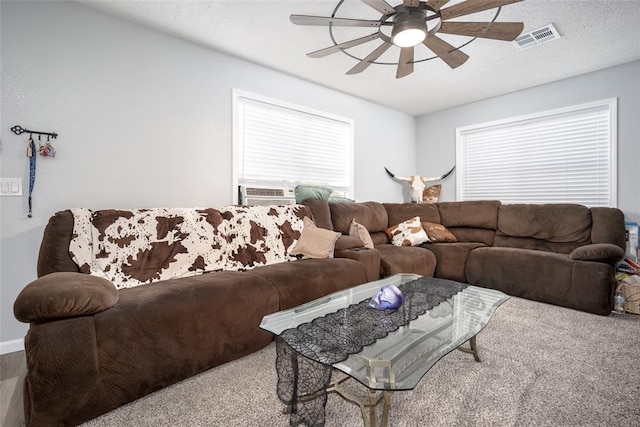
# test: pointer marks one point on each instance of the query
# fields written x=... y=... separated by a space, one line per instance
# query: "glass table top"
x=402 y=358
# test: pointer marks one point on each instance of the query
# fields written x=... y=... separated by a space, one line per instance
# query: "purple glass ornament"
x=387 y=298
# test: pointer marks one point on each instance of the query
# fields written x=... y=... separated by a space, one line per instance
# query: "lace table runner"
x=305 y=354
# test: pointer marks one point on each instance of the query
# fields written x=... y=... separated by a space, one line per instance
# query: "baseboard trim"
x=11 y=346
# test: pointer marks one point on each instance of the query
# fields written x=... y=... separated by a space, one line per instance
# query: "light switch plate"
x=10 y=187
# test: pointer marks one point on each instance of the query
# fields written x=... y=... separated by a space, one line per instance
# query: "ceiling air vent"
x=536 y=37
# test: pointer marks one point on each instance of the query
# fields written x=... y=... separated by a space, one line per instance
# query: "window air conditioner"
x=265 y=196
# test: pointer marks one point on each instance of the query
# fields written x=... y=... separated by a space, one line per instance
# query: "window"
x=560 y=156
x=278 y=143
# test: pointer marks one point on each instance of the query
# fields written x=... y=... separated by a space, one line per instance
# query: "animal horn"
x=401 y=178
x=436 y=178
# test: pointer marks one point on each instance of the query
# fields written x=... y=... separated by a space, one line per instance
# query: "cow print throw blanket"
x=140 y=246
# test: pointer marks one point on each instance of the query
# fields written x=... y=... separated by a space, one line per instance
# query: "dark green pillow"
x=304 y=192
x=339 y=199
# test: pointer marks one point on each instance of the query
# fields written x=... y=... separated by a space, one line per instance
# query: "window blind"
x=564 y=156
x=280 y=143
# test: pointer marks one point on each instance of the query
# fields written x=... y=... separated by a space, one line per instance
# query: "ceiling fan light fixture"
x=410 y=24
x=409 y=29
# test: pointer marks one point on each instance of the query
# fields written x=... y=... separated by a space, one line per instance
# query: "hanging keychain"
x=47 y=149
x=31 y=148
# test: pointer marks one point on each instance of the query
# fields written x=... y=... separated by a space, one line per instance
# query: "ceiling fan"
x=415 y=22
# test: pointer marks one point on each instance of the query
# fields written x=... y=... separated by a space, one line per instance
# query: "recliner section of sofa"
x=373 y=216
x=473 y=224
x=547 y=253
x=563 y=254
x=91 y=348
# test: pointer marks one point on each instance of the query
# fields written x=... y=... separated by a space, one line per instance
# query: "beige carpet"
x=542 y=366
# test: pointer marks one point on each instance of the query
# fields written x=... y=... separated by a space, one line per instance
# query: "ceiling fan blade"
x=472 y=6
x=453 y=58
x=507 y=31
x=405 y=63
x=326 y=20
x=437 y=4
x=381 y=6
x=412 y=3
x=337 y=48
x=364 y=63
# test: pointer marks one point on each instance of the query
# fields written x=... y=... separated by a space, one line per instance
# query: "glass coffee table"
x=400 y=359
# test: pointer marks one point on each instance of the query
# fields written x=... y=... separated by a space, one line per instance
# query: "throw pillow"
x=408 y=233
x=315 y=242
x=431 y=194
x=361 y=232
x=438 y=233
x=304 y=192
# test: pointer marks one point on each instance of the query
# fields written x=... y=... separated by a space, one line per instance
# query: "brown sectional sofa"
x=562 y=254
x=91 y=348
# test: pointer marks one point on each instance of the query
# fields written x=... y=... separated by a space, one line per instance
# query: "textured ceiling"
x=594 y=35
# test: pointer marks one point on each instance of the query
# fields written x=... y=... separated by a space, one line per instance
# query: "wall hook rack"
x=18 y=130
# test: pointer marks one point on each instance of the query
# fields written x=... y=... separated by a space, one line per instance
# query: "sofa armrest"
x=64 y=294
x=370 y=258
x=601 y=252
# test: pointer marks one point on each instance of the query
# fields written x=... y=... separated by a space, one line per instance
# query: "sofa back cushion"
x=320 y=213
x=557 y=227
x=607 y=226
x=54 y=250
x=400 y=212
x=471 y=221
x=472 y=213
x=370 y=214
x=139 y=246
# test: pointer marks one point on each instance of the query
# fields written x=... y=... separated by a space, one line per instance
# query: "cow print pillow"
x=408 y=233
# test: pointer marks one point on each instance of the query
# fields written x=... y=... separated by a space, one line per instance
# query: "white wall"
x=435 y=147
x=143 y=120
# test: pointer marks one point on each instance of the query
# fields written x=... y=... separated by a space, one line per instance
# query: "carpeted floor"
x=542 y=366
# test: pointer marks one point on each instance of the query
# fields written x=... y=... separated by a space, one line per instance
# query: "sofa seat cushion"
x=405 y=259
x=183 y=326
x=308 y=279
x=452 y=258
x=543 y=276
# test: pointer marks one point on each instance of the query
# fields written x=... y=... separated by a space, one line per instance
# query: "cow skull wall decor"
x=417 y=183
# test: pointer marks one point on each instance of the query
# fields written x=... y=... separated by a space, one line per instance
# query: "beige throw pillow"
x=438 y=233
x=315 y=242
x=361 y=232
x=408 y=233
